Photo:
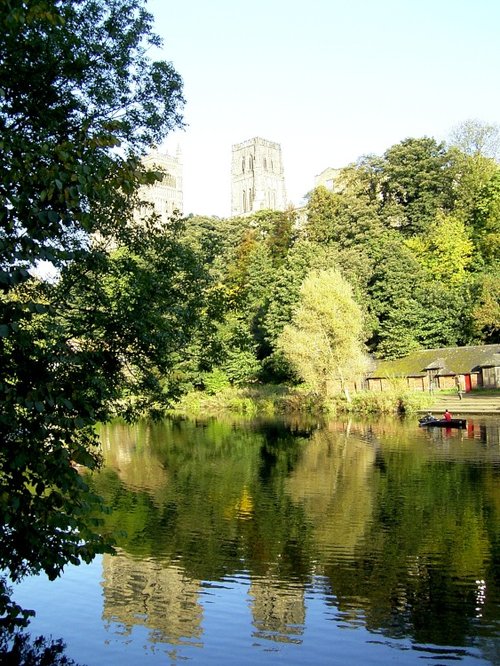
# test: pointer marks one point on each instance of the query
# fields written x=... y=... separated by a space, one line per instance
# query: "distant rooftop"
x=446 y=360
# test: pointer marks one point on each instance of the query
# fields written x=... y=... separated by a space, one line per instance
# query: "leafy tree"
x=80 y=102
x=238 y=349
x=363 y=178
x=475 y=137
x=349 y=218
x=475 y=146
x=486 y=310
x=212 y=240
x=277 y=231
x=472 y=174
x=242 y=274
x=127 y=304
x=445 y=251
x=301 y=259
x=323 y=342
x=322 y=210
x=486 y=221
x=406 y=305
x=417 y=181
x=205 y=237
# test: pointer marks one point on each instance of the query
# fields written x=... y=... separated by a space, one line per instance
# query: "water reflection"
x=395 y=528
x=263 y=540
x=191 y=501
x=148 y=593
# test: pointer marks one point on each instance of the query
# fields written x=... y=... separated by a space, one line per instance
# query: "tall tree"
x=445 y=251
x=475 y=148
x=349 y=218
x=303 y=257
x=486 y=221
x=486 y=310
x=475 y=137
x=80 y=102
x=324 y=340
x=417 y=181
x=406 y=304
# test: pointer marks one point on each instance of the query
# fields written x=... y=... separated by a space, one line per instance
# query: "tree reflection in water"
x=399 y=527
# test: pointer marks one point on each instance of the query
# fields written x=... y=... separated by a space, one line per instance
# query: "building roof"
x=447 y=361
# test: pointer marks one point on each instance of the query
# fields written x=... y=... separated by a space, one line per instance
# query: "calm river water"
x=287 y=543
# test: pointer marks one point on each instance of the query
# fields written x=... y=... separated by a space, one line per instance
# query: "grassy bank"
x=275 y=400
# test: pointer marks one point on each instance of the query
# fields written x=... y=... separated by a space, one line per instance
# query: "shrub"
x=215 y=381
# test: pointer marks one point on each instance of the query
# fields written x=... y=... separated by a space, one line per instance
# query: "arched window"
x=265 y=164
x=250 y=163
x=243 y=164
x=244 y=201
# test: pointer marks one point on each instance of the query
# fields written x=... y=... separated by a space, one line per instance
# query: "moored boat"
x=432 y=422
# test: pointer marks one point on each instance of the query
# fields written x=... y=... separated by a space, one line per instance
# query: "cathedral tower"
x=257 y=177
x=166 y=194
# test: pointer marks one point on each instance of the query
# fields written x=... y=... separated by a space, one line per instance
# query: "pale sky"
x=329 y=80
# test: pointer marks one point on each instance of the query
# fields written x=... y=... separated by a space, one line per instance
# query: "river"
x=287 y=542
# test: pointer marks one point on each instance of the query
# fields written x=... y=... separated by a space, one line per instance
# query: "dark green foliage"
x=410 y=311
x=277 y=229
x=80 y=101
x=76 y=82
x=485 y=316
x=386 y=227
x=322 y=209
x=348 y=218
x=486 y=221
x=138 y=303
x=238 y=358
x=242 y=258
x=416 y=182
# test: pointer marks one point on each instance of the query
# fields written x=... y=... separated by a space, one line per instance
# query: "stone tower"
x=166 y=195
x=257 y=177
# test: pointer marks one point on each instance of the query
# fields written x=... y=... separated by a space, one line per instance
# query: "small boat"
x=431 y=422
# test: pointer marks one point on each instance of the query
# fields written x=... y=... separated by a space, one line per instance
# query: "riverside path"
x=471 y=403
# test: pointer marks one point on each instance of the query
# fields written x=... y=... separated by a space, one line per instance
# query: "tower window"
x=243 y=165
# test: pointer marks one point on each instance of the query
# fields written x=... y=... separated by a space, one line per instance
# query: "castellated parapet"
x=257 y=177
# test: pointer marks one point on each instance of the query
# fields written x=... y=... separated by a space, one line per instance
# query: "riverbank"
x=476 y=402
x=273 y=400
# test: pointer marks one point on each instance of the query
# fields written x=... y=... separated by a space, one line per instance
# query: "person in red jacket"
x=447 y=416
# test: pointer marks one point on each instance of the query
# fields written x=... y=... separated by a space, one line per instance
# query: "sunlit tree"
x=323 y=342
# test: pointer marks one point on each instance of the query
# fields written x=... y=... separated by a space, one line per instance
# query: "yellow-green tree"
x=445 y=251
x=324 y=341
x=486 y=312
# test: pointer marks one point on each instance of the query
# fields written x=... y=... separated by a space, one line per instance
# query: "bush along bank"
x=276 y=400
